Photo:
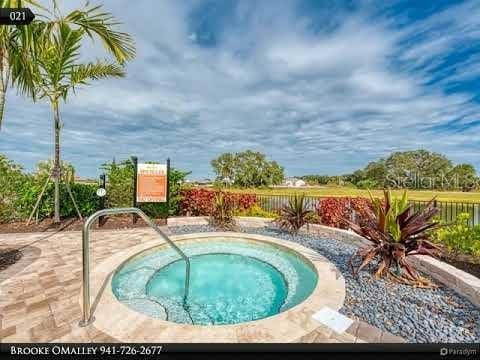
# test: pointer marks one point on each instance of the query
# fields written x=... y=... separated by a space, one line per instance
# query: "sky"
x=322 y=87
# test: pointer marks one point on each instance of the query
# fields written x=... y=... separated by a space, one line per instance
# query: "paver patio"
x=39 y=295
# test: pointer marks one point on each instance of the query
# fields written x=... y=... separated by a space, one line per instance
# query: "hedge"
x=332 y=210
x=199 y=202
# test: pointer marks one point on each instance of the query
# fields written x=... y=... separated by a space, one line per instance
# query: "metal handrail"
x=87 y=318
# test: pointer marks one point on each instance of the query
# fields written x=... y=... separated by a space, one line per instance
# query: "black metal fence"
x=448 y=209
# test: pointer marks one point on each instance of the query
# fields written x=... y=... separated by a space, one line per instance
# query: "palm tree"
x=53 y=69
x=10 y=36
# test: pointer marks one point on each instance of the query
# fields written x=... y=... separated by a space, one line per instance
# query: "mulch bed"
x=111 y=223
x=9 y=257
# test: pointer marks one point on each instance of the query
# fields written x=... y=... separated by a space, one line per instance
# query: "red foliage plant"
x=200 y=202
x=331 y=211
x=396 y=230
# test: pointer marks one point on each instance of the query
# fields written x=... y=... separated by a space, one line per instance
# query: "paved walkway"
x=39 y=295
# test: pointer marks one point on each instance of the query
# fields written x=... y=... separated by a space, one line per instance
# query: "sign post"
x=101 y=192
x=135 y=172
x=168 y=188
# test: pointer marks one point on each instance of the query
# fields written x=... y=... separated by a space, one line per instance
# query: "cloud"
x=320 y=90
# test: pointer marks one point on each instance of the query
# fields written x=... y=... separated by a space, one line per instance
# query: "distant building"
x=294 y=182
x=79 y=180
x=203 y=182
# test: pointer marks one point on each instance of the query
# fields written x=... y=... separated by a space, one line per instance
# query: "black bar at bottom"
x=442 y=350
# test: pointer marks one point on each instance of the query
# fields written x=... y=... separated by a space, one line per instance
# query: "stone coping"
x=126 y=325
x=462 y=282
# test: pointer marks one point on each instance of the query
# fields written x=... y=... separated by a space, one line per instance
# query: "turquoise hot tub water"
x=231 y=281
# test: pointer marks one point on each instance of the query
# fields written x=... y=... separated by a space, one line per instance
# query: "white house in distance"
x=293 y=182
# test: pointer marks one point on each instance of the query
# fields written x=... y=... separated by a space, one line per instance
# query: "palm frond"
x=81 y=74
x=95 y=22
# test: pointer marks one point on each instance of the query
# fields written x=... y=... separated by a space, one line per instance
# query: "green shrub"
x=84 y=194
x=19 y=192
x=256 y=211
x=367 y=184
x=12 y=183
x=460 y=237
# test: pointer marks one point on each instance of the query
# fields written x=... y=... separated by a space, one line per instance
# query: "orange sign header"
x=152 y=183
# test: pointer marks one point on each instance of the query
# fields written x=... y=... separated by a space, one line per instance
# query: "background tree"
x=421 y=167
x=372 y=176
x=54 y=66
x=464 y=177
x=315 y=179
x=225 y=166
x=248 y=169
x=407 y=169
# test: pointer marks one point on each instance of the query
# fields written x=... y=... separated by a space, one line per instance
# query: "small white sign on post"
x=101 y=192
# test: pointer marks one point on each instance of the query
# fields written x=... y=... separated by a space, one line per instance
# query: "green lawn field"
x=473 y=197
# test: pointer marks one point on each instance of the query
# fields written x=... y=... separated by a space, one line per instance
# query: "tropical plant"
x=53 y=69
x=295 y=214
x=396 y=231
x=11 y=38
x=222 y=216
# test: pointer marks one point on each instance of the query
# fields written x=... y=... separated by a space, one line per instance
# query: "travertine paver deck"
x=39 y=296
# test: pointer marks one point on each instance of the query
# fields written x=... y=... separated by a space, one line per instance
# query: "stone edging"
x=462 y=282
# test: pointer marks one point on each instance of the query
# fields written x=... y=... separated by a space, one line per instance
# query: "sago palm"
x=54 y=68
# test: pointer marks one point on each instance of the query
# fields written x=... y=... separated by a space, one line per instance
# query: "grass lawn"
x=473 y=197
